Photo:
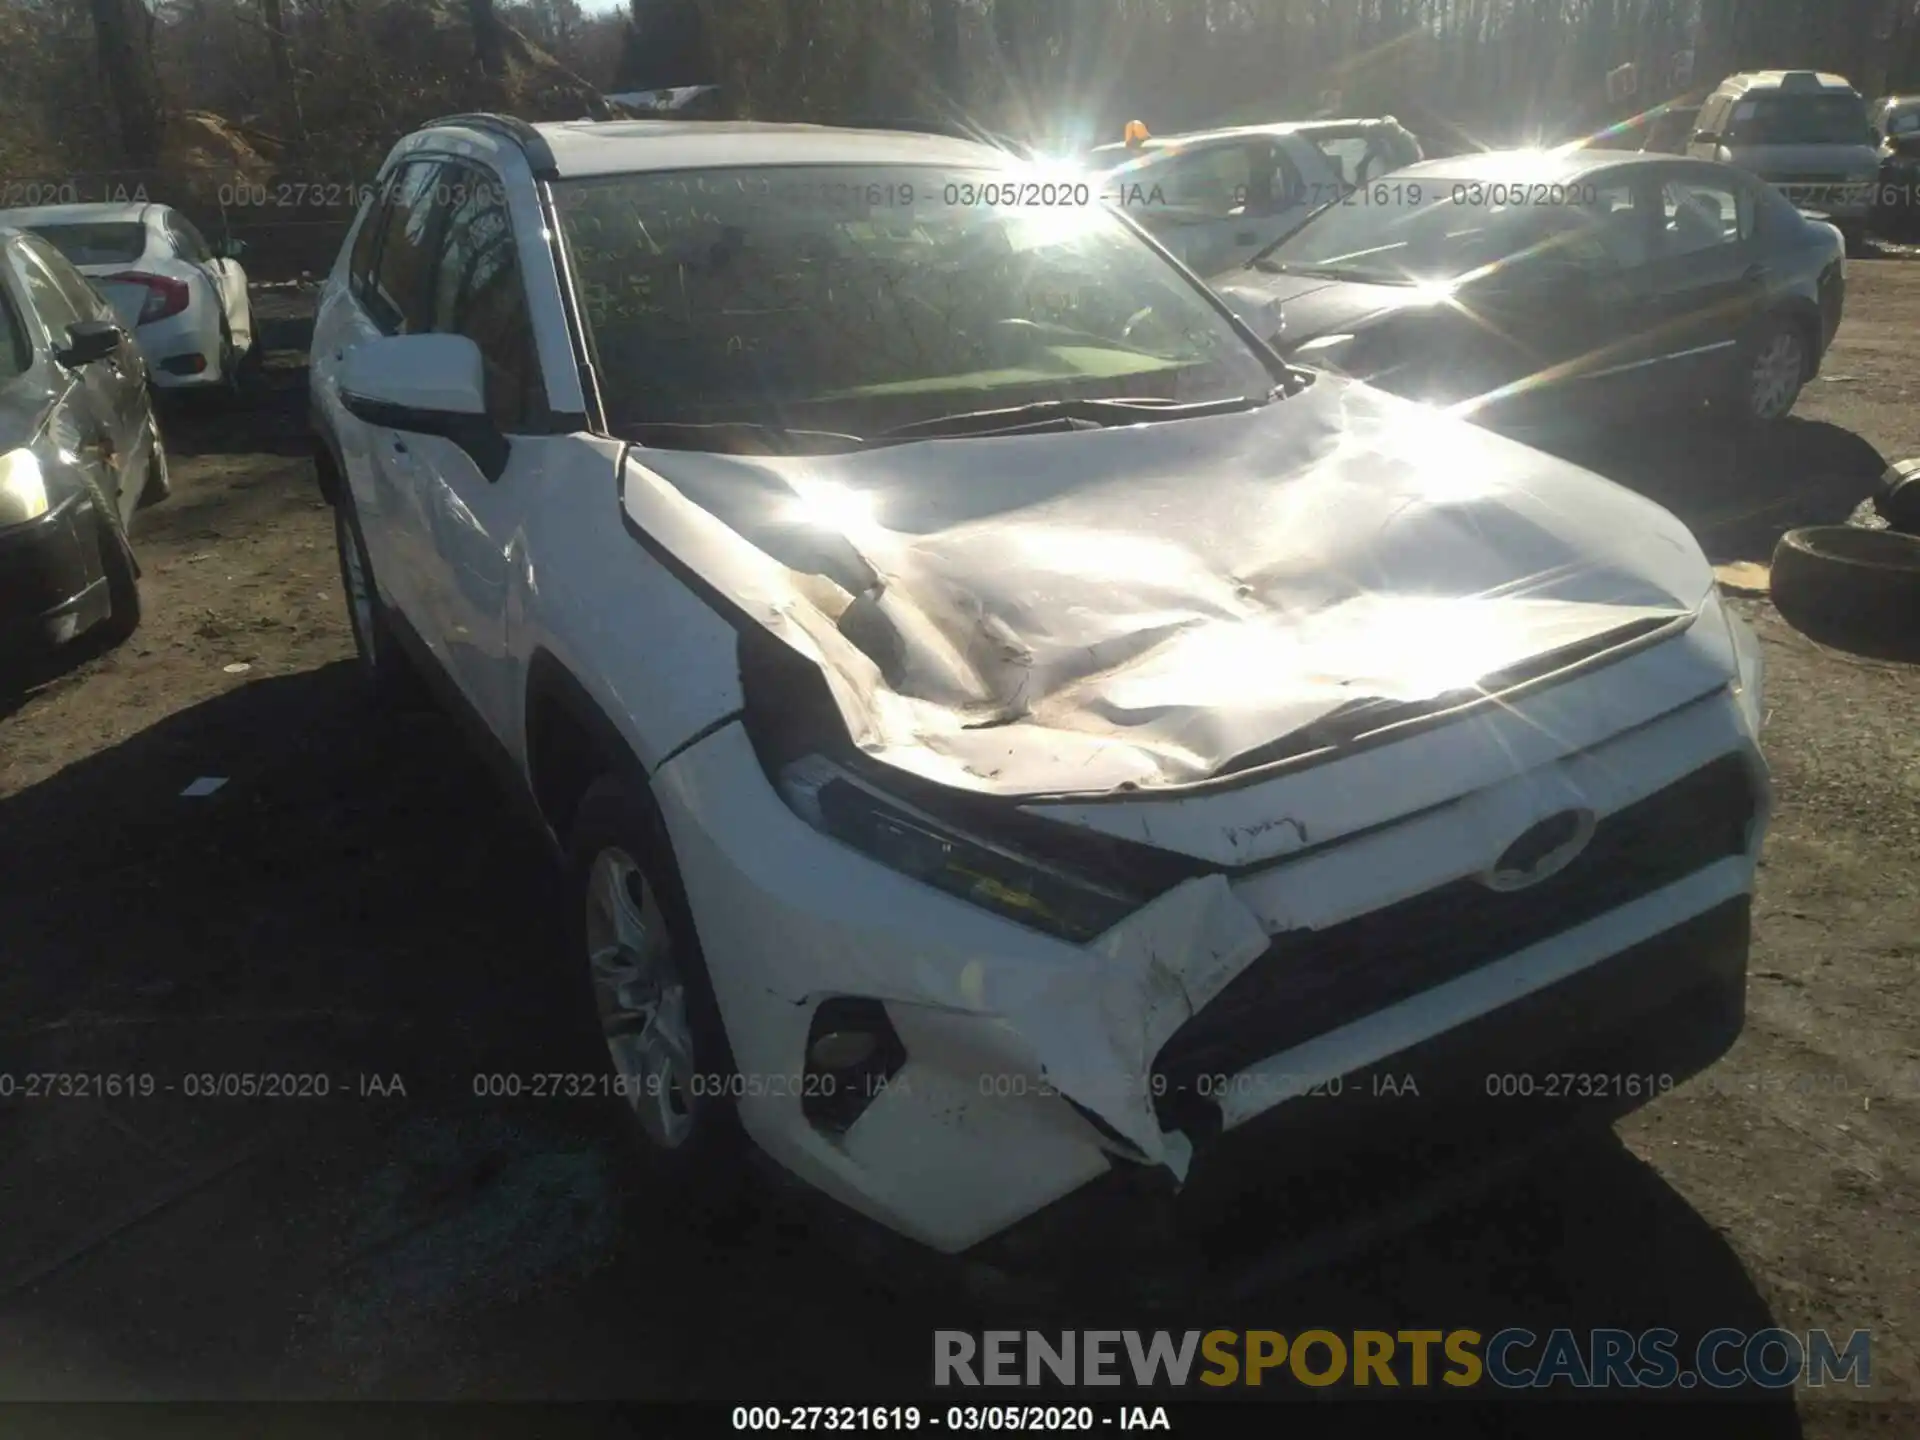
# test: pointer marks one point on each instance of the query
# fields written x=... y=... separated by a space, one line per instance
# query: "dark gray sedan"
x=79 y=452
x=1528 y=287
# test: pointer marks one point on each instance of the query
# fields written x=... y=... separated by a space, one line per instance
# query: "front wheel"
x=632 y=937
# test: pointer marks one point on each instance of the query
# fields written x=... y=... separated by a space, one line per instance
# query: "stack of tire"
x=1856 y=586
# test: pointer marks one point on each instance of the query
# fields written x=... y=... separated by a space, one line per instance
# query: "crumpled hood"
x=1137 y=607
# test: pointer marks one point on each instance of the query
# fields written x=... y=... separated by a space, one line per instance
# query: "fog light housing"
x=852 y=1052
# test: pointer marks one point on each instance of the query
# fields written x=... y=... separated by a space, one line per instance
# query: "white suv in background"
x=185 y=306
x=1022 y=756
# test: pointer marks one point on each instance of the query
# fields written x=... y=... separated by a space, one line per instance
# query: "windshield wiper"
x=1277 y=267
x=737 y=437
x=1043 y=415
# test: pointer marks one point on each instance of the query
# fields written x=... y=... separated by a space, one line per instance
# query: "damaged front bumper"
x=1322 y=1032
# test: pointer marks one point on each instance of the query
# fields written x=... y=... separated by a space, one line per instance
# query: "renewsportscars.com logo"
x=1512 y=1359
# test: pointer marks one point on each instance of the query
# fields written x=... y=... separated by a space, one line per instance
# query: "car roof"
x=1545 y=166
x=1278 y=127
x=580 y=148
x=122 y=212
x=1808 y=81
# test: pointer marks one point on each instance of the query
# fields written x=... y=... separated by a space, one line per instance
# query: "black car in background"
x=1896 y=129
x=1528 y=287
x=80 y=451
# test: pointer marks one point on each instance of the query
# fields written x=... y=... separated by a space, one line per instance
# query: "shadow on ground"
x=1740 y=490
x=353 y=903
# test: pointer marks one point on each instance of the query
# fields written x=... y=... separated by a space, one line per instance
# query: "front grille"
x=1310 y=982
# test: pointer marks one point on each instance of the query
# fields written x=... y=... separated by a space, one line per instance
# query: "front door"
x=473 y=518
x=387 y=294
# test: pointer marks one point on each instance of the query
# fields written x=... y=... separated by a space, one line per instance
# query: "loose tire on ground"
x=1847 y=582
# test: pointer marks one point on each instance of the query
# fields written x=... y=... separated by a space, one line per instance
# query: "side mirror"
x=88 y=341
x=425 y=385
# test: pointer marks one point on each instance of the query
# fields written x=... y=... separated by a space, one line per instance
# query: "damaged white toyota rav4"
x=1044 y=772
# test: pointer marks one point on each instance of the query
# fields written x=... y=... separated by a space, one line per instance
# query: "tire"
x=1773 y=368
x=122 y=571
x=672 y=1074
x=390 y=676
x=1849 y=583
x=230 y=376
x=159 y=482
x=1898 y=502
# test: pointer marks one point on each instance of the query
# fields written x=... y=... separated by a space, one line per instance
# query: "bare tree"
x=489 y=43
x=123 y=40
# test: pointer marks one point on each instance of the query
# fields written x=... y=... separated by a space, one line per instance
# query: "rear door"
x=474 y=521
x=1710 y=276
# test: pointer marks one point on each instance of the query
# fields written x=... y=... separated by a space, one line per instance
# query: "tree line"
x=97 y=85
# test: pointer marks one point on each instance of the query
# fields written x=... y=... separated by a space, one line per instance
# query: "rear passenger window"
x=478 y=292
x=396 y=296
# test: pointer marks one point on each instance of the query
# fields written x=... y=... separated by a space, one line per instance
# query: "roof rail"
x=509 y=127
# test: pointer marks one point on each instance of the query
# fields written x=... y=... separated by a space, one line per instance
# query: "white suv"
x=1020 y=752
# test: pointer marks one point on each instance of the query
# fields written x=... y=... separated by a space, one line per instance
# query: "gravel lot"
x=360 y=906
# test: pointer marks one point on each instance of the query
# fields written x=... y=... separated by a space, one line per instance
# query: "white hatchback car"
x=186 y=306
x=1020 y=753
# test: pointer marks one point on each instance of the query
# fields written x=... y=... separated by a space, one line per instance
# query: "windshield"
x=1799 y=120
x=860 y=299
x=1433 y=230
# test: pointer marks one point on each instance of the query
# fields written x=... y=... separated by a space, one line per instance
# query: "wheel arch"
x=570 y=742
x=327 y=468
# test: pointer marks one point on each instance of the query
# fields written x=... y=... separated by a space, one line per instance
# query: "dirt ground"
x=357 y=904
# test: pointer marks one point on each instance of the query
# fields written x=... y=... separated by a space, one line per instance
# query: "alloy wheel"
x=641 y=997
x=1773 y=383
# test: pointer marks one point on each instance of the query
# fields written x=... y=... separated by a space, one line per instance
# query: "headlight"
x=846 y=808
x=23 y=490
